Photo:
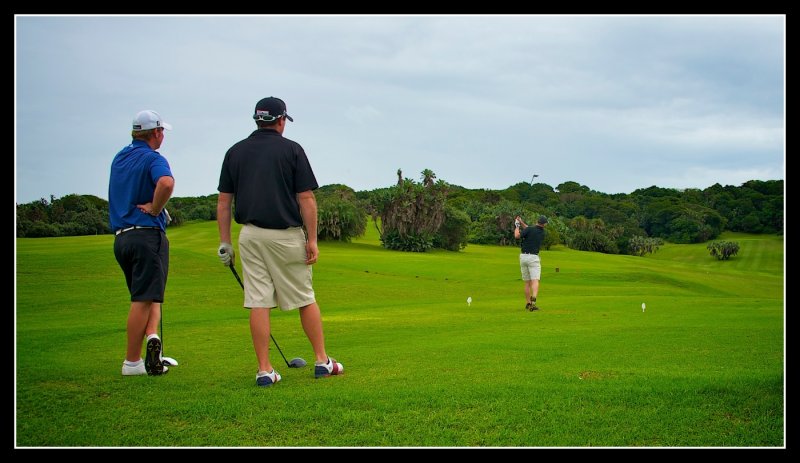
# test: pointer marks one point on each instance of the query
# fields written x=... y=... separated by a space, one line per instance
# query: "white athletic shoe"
x=128 y=370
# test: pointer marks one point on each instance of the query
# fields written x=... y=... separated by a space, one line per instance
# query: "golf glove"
x=516 y=223
x=225 y=254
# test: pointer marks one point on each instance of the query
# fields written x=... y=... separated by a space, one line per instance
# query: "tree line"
x=429 y=213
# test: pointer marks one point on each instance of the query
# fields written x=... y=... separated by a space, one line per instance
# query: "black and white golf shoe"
x=152 y=361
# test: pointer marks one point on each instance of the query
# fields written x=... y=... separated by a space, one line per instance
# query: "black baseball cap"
x=269 y=109
x=542 y=220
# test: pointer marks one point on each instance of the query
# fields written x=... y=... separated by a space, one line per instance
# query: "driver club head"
x=169 y=361
x=297 y=363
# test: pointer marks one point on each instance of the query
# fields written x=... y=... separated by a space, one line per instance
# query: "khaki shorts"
x=274 y=267
x=531 y=267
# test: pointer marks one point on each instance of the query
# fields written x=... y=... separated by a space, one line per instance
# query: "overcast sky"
x=615 y=103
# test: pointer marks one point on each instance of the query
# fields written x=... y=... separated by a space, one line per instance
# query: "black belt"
x=135 y=227
x=531 y=253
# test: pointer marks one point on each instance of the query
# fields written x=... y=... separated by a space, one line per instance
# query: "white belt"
x=135 y=227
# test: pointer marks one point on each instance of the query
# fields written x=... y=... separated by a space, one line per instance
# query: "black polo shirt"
x=532 y=238
x=264 y=172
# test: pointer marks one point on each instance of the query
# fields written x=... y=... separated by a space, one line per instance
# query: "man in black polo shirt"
x=271 y=181
x=530 y=265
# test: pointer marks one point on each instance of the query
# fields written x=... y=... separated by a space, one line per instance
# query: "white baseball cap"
x=148 y=119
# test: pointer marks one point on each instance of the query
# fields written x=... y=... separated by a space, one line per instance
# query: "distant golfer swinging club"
x=529 y=263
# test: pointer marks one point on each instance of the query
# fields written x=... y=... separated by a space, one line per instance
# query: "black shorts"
x=143 y=255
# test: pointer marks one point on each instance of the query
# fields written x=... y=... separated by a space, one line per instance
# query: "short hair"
x=262 y=124
x=144 y=135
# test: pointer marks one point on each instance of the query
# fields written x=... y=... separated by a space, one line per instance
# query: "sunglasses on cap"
x=266 y=117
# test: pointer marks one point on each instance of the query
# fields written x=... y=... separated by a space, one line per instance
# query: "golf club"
x=169 y=361
x=296 y=362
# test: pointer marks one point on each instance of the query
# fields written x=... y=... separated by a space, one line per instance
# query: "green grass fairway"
x=703 y=366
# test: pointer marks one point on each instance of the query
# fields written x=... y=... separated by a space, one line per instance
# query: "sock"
x=133 y=364
x=261 y=374
x=323 y=363
x=151 y=336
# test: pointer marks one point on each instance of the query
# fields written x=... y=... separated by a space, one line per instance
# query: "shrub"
x=339 y=214
x=454 y=232
x=410 y=213
x=641 y=245
x=723 y=250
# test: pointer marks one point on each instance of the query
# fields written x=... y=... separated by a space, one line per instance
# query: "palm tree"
x=427 y=177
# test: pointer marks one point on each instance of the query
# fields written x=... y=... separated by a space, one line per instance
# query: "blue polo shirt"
x=135 y=171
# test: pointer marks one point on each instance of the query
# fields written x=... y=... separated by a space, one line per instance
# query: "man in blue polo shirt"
x=140 y=185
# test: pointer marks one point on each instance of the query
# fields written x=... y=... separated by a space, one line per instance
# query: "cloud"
x=612 y=102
